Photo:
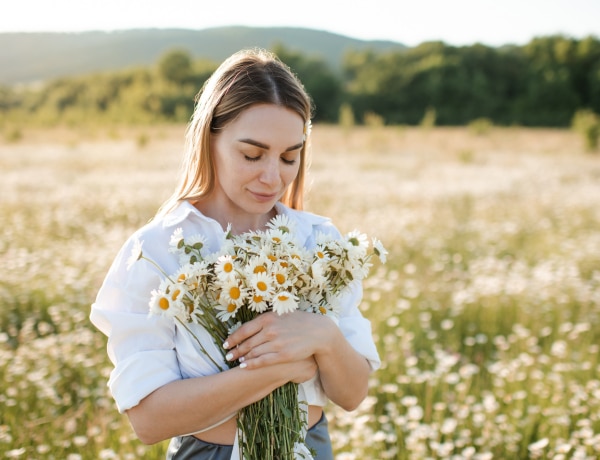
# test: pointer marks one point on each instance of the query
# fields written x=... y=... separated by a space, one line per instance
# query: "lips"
x=264 y=197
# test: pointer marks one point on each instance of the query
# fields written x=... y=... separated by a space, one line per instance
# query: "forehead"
x=267 y=119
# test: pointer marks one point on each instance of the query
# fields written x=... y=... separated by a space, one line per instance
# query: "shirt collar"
x=181 y=213
x=305 y=221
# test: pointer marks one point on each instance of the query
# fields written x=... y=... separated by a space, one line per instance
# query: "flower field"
x=486 y=314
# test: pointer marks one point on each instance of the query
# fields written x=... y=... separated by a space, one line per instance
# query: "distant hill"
x=35 y=57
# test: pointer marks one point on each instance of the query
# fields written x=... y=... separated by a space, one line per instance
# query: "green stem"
x=199 y=343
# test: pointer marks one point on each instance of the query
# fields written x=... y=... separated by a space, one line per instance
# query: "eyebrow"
x=266 y=147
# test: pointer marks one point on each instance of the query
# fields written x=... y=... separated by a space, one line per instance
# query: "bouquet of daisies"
x=253 y=273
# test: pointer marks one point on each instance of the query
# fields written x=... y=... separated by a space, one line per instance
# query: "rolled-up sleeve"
x=141 y=347
x=356 y=328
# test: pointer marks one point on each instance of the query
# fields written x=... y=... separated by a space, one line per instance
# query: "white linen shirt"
x=151 y=351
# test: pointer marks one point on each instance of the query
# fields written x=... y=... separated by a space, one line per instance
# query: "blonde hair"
x=247 y=78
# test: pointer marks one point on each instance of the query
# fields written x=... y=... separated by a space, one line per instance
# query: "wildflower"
x=258 y=264
x=262 y=292
x=379 y=250
x=232 y=292
x=176 y=241
x=167 y=301
x=356 y=244
x=538 y=445
x=284 y=302
x=282 y=223
x=136 y=253
x=226 y=311
x=279 y=237
x=225 y=267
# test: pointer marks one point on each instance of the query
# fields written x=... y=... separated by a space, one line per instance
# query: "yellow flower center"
x=323 y=310
x=181 y=277
x=227 y=267
x=234 y=292
x=277 y=239
x=231 y=307
x=175 y=294
x=262 y=286
x=283 y=297
x=280 y=278
x=320 y=255
x=257 y=298
x=272 y=258
x=163 y=303
x=284 y=264
x=260 y=269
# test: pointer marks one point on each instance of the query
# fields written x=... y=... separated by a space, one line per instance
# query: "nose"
x=270 y=174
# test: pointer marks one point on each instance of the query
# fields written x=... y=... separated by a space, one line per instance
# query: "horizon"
x=462 y=22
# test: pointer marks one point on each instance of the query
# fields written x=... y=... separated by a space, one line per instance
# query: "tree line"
x=543 y=83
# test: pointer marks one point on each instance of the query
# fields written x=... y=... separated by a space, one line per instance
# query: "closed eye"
x=287 y=161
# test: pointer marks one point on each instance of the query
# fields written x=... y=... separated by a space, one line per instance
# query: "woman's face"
x=256 y=157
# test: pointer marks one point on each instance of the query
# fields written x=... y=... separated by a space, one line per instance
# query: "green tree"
x=324 y=87
x=175 y=66
x=550 y=97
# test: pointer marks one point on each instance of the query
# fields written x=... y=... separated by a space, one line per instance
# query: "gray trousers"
x=191 y=448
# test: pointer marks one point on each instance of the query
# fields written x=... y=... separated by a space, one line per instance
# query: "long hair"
x=247 y=78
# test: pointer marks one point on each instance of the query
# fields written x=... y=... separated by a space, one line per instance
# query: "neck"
x=240 y=223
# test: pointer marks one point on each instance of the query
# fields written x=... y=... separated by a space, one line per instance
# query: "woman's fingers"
x=271 y=339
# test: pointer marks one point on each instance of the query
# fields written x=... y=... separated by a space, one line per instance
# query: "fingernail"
x=242 y=359
x=243 y=365
x=229 y=356
x=226 y=345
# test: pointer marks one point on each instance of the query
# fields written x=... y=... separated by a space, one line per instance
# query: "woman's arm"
x=343 y=371
x=191 y=405
x=273 y=339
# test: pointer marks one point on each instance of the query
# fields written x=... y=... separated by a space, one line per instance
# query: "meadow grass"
x=486 y=315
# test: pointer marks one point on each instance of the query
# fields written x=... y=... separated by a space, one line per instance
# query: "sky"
x=456 y=22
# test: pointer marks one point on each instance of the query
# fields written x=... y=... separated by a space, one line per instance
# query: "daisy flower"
x=356 y=244
x=197 y=242
x=258 y=302
x=225 y=267
x=317 y=272
x=136 y=253
x=168 y=301
x=232 y=292
x=176 y=241
x=279 y=237
x=283 y=223
x=258 y=264
x=322 y=239
x=227 y=311
x=379 y=250
x=262 y=284
x=281 y=277
x=284 y=302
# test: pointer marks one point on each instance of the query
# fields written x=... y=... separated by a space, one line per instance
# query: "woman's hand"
x=276 y=339
x=295 y=340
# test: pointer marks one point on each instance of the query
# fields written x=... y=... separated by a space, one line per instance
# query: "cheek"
x=290 y=174
x=228 y=170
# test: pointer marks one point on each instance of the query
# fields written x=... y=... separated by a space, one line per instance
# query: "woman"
x=244 y=163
